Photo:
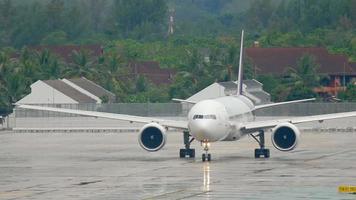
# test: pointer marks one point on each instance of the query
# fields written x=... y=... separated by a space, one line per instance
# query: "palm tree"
x=305 y=73
x=195 y=69
x=49 y=65
x=81 y=65
x=303 y=79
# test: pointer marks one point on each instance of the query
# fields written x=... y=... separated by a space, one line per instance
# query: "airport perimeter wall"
x=24 y=120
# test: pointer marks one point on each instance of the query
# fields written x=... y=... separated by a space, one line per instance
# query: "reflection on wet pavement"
x=113 y=166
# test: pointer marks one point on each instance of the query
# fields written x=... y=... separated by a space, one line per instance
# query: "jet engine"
x=285 y=137
x=152 y=137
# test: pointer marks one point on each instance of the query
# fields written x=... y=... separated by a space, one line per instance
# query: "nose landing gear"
x=206 y=156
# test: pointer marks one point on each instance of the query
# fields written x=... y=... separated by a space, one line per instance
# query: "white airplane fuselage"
x=219 y=119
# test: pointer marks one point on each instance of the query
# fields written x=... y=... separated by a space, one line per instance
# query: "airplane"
x=227 y=118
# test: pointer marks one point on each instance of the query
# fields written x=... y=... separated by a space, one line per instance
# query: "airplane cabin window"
x=204 y=117
x=210 y=117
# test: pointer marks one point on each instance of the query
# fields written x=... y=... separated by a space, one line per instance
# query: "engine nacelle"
x=285 y=137
x=152 y=137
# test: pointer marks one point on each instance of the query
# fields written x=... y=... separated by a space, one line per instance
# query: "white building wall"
x=81 y=90
x=212 y=91
x=41 y=93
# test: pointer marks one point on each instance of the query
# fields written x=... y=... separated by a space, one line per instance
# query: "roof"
x=152 y=71
x=92 y=87
x=65 y=51
x=277 y=60
x=252 y=88
x=250 y=84
x=69 y=91
x=230 y=85
x=261 y=95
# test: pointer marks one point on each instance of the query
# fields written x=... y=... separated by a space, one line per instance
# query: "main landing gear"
x=187 y=151
x=262 y=151
x=206 y=156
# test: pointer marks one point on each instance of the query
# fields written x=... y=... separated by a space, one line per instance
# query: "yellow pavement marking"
x=347 y=189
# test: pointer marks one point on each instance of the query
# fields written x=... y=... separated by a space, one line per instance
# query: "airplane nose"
x=203 y=131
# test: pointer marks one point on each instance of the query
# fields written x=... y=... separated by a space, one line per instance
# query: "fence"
x=181 y=110
x=139 y=109
x=23 y=118
x=305 y=109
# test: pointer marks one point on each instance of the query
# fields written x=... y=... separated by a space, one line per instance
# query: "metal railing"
x=181 y=110
x=139 y=109
x=23 y=118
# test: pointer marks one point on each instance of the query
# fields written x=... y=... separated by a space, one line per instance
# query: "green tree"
x=141 y=84
x=349 y=94
x=259 y=14
x=76 y=20
x=54 y=12
x=55 y=38
x=269 y=82
x=97 y=16
x=129 y=15
x=306 y=72
x=82 y=66
x=7 y=10
x=49 y=64
x=302 y=80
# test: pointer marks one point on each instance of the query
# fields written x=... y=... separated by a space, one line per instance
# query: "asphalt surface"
x=113 y=166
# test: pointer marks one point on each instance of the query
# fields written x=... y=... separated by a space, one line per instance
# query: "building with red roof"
x=277 y=61
x=152 y=71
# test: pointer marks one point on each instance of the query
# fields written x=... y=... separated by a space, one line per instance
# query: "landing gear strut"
x=206 y=156
x=187 y=151
x=262 y=151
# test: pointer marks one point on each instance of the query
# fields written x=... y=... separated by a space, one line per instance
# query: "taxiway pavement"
x=113 y=166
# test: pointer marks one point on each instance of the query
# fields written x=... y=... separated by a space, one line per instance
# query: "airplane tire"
x=262 y=152
x=187 y=152
x=182 y=153
x=203 y=157
x=191 y=153
x=266 y=153
x=257 y=153
x=209 y=157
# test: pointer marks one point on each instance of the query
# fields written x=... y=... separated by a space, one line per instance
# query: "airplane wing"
x=258 y=125
x=130 y=118
x=281 y=103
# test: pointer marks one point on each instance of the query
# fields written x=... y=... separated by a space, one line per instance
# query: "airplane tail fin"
x=240 y=74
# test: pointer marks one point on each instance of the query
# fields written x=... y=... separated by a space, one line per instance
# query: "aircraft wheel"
x=191 y=153
x=187 y=152
x=182 y=153
x=262 y=152
x=266 y=153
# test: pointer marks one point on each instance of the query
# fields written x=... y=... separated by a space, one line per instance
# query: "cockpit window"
x=198 y=117
x=204 y=117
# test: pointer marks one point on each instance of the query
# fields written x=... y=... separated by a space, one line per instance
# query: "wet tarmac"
x=113 y=166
